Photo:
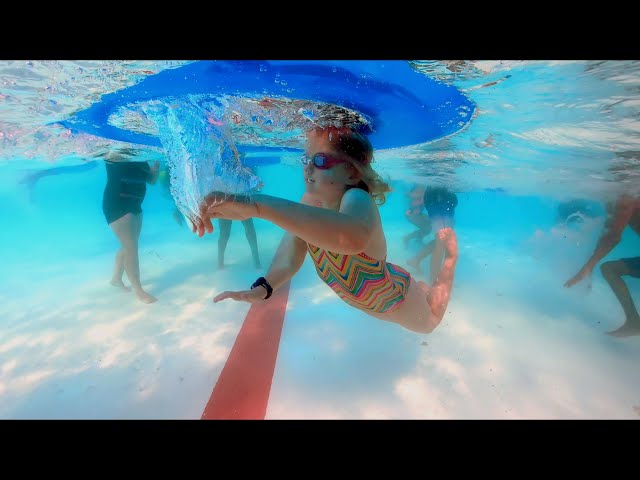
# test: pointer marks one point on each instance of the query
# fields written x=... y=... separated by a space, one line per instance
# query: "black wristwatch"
x=263 y=282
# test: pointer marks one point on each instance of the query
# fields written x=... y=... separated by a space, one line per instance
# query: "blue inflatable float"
x=403 y=107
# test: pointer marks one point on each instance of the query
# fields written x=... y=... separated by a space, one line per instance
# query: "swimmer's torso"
x=361 y=281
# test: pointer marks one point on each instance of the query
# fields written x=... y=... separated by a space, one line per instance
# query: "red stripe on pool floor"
x=242 y=390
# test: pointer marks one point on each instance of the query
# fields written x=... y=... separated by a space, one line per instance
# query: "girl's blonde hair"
x=359 y=149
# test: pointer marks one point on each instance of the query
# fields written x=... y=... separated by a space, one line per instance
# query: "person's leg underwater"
x=223 y=239
x=613 y=273
x=127 y=228
x=252 y=238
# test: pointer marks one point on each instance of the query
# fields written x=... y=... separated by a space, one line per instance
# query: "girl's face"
x=327 y=184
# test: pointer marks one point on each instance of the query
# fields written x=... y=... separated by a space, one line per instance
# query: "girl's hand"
x=222 y=205
x=252 y=296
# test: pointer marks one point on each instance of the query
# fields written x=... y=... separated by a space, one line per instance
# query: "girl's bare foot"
x=448 y=237
x=119 y=284
x=144 y=297
x=629 y=329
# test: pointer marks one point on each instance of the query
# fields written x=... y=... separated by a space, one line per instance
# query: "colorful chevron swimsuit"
x=362 y=281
